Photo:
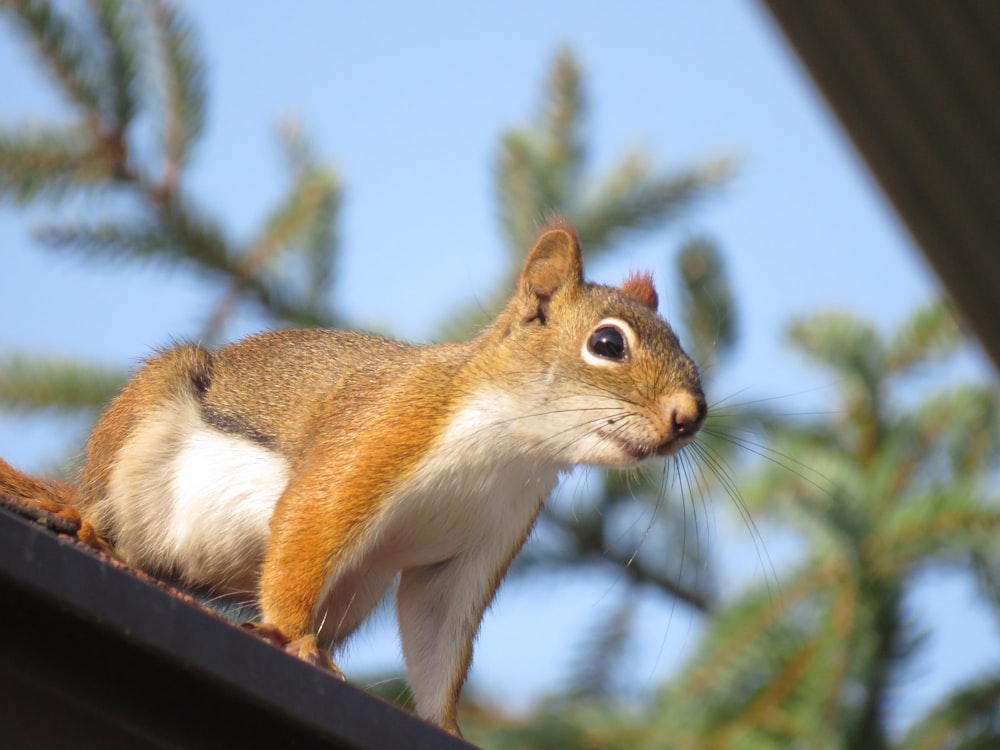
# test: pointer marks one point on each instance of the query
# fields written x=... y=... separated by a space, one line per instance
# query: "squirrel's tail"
x=47 y=494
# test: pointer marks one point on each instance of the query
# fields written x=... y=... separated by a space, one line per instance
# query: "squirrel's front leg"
x=440 y=608
x=309 y=579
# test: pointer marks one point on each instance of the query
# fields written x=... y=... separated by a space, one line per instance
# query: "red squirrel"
x=314 y=467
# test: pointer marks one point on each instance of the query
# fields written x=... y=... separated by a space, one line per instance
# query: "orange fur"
x=639 y=286
x=50 y=495
x=347 y=496
x=161 y=377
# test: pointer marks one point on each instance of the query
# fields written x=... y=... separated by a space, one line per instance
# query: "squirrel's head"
x=603 y=377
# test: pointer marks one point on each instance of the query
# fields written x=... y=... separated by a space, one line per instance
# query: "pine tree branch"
x=100 y=71
x=178 y=237
x=767 y=709
x=562 y=123
x=853 y=349
x=521 y=193
x=540 y=171
x=31 y=383
x=882 y=601
x=300 y=219
x=181 y=238
x=118 y=25
x=320 y=186
x=945 y=528
x=931 y=332
x=588 y=547
x=284 y=303
x=986 y=567
x=111 y=241
x=182 y=88
x=707 y=305
x=968 y=719
x=847 y=344
x=539 y=166
x=743 y=623
x=600 y=655
x=321 y=244
x=196 y=237
x=48 y=162
x=303 y=221
x=631 y=200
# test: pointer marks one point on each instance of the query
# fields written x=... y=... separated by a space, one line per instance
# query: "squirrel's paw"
x=305 y=648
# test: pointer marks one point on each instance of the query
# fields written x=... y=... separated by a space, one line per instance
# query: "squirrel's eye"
x=608 y=342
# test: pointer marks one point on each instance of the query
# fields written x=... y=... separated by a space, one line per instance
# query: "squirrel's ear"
x=554 y=263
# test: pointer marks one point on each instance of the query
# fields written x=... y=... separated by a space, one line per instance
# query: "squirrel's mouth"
x=640 y=451
x=670 y=446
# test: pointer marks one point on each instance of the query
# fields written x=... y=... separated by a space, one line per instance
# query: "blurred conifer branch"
x=128 y=70
x=708 y=309
x=598 y=681
x=542 y=169
x=181 y=91
x=29 y=384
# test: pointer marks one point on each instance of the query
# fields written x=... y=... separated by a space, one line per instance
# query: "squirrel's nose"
x=687 y=413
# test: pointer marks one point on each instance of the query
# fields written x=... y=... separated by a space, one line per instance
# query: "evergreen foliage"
x=131 y=73
x=541 y=170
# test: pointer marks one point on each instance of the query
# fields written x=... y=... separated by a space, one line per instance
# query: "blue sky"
x=408 y=102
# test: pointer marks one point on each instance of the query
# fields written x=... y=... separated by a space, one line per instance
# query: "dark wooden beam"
x=93 y=655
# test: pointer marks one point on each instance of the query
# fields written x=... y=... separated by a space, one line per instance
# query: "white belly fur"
x=193 y=503
x=224 y=491
x=477 y=488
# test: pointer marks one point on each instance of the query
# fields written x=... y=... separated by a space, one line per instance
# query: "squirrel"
x=314 y=467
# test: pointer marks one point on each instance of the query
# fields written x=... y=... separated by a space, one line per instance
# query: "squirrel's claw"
x=305 y=648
